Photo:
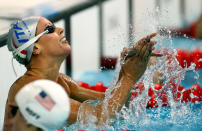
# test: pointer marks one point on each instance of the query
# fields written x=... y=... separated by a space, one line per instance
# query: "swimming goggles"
x=49 y=29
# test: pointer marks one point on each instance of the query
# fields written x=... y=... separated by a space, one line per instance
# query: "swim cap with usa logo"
x=44 y=104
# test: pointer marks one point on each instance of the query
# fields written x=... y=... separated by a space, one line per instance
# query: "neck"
x=45 y=68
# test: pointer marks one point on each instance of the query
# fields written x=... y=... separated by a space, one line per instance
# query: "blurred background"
x=96 y=29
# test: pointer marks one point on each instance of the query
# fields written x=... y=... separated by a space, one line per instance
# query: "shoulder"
x=67 y=80
x=17 y=85
x=63 y=76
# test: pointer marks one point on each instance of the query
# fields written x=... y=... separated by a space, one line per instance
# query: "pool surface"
x=177 y=117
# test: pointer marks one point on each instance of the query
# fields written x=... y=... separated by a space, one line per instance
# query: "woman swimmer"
x=36 y=43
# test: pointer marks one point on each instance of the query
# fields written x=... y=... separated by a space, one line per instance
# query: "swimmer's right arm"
x=132 y=68
x=79 y=93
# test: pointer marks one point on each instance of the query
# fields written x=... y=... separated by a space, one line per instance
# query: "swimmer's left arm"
x=79 y=93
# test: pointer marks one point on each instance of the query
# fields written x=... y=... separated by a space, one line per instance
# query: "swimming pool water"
x=178 y=117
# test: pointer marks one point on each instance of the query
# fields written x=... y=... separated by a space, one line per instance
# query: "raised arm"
x=133 y=64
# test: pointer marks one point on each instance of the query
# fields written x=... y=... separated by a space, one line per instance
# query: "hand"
x=135 y=58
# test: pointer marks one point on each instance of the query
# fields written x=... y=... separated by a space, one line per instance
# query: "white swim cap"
x=44 y=104
x=21 y=38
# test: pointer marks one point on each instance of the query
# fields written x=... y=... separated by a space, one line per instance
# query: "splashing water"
x=176 y=116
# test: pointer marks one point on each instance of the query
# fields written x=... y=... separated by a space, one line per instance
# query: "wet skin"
x=48 y=54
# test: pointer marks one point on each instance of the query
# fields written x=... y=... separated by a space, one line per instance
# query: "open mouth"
x=63 y=40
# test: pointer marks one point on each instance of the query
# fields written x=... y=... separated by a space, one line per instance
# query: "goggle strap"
x=12 y=61
x=30 y=42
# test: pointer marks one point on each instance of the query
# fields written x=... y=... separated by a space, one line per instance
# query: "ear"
x=37 y=49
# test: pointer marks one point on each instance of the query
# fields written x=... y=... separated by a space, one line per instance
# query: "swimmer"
x=36 y=43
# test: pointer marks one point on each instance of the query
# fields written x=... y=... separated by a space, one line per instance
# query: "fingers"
x=153 y=42
x=147 y=49
x=143 y=48
x=156 y=54
x=144 y=41
x=133 y=52
x=148 y=38
x=147 y=52
x=124 y=53
x=139 y=49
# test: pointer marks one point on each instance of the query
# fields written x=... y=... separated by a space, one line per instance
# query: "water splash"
x=176 y=116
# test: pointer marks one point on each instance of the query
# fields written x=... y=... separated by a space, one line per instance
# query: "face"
x=54 y=44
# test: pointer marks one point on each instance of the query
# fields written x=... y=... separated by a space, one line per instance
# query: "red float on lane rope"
x=183 y=58
x=196 y=56
x=193 y=94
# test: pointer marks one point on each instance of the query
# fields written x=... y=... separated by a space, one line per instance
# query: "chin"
x=68 y=52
